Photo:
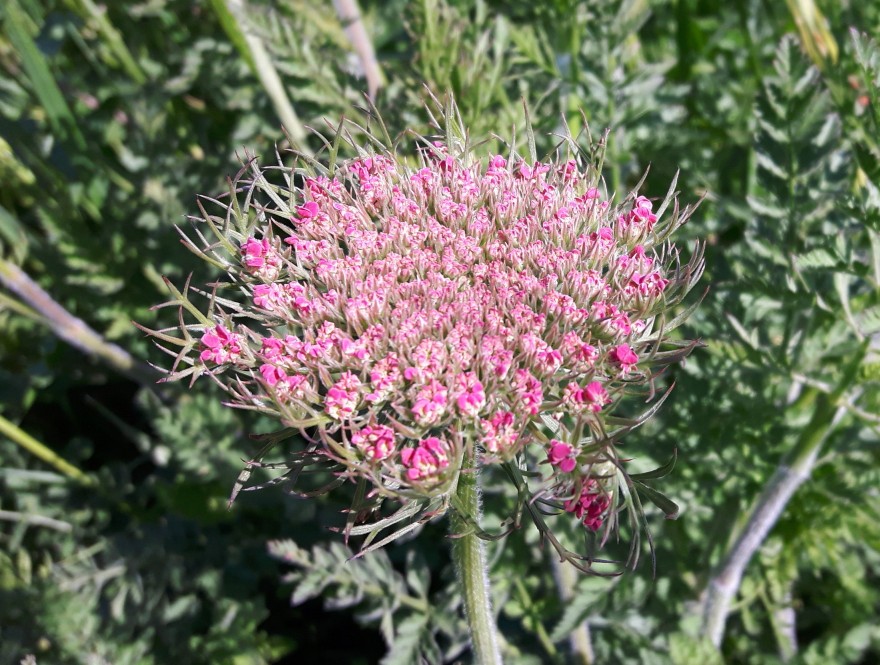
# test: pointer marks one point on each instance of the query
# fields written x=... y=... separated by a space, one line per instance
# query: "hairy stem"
x=788 y=477
x=469 y=557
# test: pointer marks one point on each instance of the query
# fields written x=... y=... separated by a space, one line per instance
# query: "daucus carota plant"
x=418 y=322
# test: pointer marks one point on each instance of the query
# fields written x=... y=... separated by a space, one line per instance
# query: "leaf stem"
x=469 y=557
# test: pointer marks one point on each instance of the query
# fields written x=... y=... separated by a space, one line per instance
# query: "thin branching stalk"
x=469 y=556
x=35 y=520
x=784 y=622
x=29 y=443
x=793 y=472
x=89 y=10
x=268 y=75
x=11 y=304
x=73 y=330
x=353 y=23
x=579 y=641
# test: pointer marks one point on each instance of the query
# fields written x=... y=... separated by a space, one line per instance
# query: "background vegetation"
x=120 y=548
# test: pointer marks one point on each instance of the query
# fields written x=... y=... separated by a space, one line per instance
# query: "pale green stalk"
x=784 y=624
x=793 y=472
x=29 y=443
x=35 y=520
x=353 y=23
x=579 y=640
x=71 y=329
x=267 y=73
x=111 y=36
x=469 y=557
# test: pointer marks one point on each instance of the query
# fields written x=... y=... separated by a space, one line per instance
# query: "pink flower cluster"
x=590 y=506
x=220 y=347
x=406 y=311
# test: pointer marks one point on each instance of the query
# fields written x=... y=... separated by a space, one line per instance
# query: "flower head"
x=404 y=317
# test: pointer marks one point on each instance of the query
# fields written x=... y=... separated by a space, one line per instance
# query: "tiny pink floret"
x=471 y=398
x=427 y=461
x=561 y=455
x=376 y=442
x=499 y=434
x=590 y=506
x=430 y=403
x=220 y=346
x=624 y=356
x=342 y=398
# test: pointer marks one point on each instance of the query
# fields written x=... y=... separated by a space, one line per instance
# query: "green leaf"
x=37 y=69
x=588 y=599
x=686 y=650
x=13 y=234
x=659 y=472
x=408 y=635
x=668 y=506
x=418 y=575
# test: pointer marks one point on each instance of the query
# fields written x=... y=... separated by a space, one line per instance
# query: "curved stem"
x=787 y=478
x=469 y=557
x=69 y=328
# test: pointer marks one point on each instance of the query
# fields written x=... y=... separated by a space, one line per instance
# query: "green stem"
x=788 y=477
x=264 y=68
x=469 y=558
x=69 y=328
x=579 y=641
x=416 y=604
x=112 y=38
x=38 y=449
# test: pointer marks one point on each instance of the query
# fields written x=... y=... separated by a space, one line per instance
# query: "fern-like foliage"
x=807 y=253
x=864 y=124
x=808 y=317
x=418 y=627
x=587 y=54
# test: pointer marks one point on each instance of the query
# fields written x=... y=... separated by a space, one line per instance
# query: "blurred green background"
x=114 y=116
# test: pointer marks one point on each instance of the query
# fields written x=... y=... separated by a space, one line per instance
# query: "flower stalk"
x=469 y=557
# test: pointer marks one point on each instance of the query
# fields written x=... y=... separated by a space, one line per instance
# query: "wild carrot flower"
x=408 y=317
